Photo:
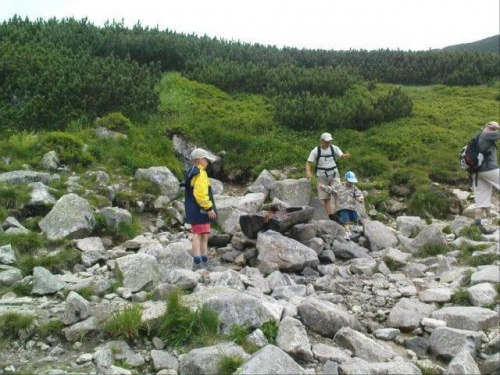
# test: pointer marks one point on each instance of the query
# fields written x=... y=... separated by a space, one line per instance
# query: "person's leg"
x=204 y=246
x=196 y=247
x=328 y=206
x=482 y=197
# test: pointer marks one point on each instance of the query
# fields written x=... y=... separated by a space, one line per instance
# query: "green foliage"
x=429 y=201
x=127 y=231
x=482 y=259
x=447 y=229
x=126 y=323
x=270 y=330
x=88 y=291
x=229 y=364
x=115 y=121
x=52 y=327
x=69 y=148
x=460 y=298
x=431 y=249
x=473 y=232
x=28 y=243
x=14 y=196
x=428 y=370
x=11 y=323
x=390 y=263
x=180 y=326
x=467 y=278
x=55 y=262
x=239 y=334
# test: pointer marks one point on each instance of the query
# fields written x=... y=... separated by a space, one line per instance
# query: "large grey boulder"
x=288 y=254
x=251 y=202
x=379 y=236
x=76 y=308
x=24 y=177
x=50 y=161
x=431 y=234
x=9 y=275
x=229 y=278
x=358 y=366
x=324 y=353
x=163 y=178
x=489 y=274
x=7 y=255
x=325 y=318
x=409 y=225
x=483 y=294
x=362 y=346
x=205 y=361
x=181 y=278
x=81 y=329
x=292 y=338
x=164 y=360
x=115 y=216
x=471 y=318
x=138 y=271
x=71 y=217
x=439 y=295
x=462 y=363
x=92 y=250
x=408 y=313
x=447 y=342
x=293 y=192
x=174 y=255
x=45 y=283
x=270 y=360
x=396 y=256
x=232 y=307
x=252 y=277
x=349 y=250
x=490 y=365
x=41 y=198
x=263 y=183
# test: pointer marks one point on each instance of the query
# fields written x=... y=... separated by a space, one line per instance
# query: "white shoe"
x=347 y=236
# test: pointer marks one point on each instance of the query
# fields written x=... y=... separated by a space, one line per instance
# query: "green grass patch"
x=127 y=231
x=229 y=364
x=482 y=260
x=12 y=323
x=467 y=278
x=64 y=259
x=52 y=327
x=447 y=229
x=28 y=243
x=270 y=330
x=239 y=335
x=125 y=324
x=461 y=298
x=180 y=326
x=390 y=263
x=14 y=196
x=431 y=249
x=427 y=201
x=473 y=232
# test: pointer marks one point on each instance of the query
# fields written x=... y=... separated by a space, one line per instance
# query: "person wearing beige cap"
x=199 y=204
x=488 y=176
x=325 y=158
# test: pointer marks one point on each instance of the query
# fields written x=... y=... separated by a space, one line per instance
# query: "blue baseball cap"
x=351 y=177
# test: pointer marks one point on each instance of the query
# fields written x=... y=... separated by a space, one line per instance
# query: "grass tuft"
x=229 y=364
x=431 y=249
x=270 y=330
x=126 y=323
x=461 y=297
x=181 y=326
x=473 y=232
x=12 y=323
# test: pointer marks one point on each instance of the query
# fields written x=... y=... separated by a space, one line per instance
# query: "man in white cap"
x=325 y=158
x=488 y=176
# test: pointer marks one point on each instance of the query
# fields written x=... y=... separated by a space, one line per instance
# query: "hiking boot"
x=485 y=230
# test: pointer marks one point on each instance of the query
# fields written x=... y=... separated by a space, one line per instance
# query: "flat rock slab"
x=471 y=318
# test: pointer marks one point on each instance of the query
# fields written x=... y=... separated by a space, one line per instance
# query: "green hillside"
x=491 y=44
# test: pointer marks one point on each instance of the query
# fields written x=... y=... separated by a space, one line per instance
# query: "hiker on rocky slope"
x=348 y=195
x=488 y=175
x=325 y=158
x=199 y=204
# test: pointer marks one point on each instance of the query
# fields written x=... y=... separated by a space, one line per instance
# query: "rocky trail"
x=409 y=296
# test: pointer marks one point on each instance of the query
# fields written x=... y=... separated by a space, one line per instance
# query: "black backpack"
x=471 y=157
x=326 y=169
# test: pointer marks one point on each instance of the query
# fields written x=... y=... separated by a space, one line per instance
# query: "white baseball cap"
x=327 y=137
x=201 y=153
x=493 y=125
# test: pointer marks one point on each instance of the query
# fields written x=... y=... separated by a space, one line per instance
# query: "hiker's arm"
x=359 y=196
x=200 y=192
x=308 y=170
x=325 y=188
x=345 y=156
x=491 y=136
